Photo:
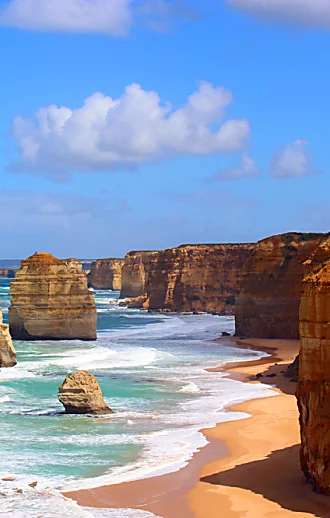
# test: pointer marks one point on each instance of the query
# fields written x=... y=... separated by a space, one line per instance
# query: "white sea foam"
x=190 y=388
x=16 y=372
x=4 y=399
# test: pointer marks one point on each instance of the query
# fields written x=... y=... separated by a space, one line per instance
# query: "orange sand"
x=250 y=468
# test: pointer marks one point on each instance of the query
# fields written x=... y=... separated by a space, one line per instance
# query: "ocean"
x=151 y=369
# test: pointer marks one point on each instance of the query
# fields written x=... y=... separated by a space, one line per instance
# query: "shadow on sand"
x=277 y=478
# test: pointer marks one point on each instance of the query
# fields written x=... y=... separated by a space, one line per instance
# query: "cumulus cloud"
x=108 y=134
x=247 y=169
x=293 y=162
x=308 y=13
x=109 y=17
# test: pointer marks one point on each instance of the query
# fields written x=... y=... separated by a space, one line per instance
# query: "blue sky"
x=200 y=124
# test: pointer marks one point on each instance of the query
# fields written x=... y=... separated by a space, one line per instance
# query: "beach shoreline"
x=198 y=490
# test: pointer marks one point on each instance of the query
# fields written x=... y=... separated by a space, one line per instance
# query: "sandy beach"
x=250 y=467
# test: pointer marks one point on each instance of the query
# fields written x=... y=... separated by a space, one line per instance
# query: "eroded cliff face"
x=135 y=273
x=313 y=391
x=267 y=305
x=50 y=300
x=7 y=351
x=106 y=274
x=198 y=278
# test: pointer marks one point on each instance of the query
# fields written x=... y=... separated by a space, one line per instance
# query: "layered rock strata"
x=51 y=301
x=7 y=351
x=313 y=391
x=267 y=305
x=80 y=393
x=197 y=278
x=106 y=274
x=135 y=273
x=190 y=278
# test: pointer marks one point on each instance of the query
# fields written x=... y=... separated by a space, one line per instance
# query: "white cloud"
x=109 y=17
x=247 y=169
x=308 y=13
x=137 y=128
x=293 y=162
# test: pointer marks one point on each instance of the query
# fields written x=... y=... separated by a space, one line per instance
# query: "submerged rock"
x=51 y=301
x=80 y=393
x=7 y=351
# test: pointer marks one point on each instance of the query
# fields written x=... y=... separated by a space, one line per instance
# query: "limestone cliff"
x=198 y=278
x=135 y=273
x=7 y=351
x=105 y=274
x=80 y=393
x=50 y=300
x=267 y=305
x=313 y=391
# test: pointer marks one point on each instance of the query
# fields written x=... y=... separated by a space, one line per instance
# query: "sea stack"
x=105 y=274
x=80 y=393
x=7 y=351
x=267 y=305
x=51 y=301
x=313 y=391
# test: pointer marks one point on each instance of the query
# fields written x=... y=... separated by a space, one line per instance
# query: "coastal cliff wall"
x=198 y=278
x=313 y=391
x=267 y=305
x=106 y=274
x=50 y=300
x=7 y=351
x=135 y=273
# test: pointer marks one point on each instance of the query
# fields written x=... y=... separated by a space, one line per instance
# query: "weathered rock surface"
x=267 y=305
x=293 y=370
x=80 y=393
x=105 y=274
x=197 y=278
x=135 y=273
x=51 y=301
x=7 y=273
x=190 y=278
x=7 y=351
x=313 y=391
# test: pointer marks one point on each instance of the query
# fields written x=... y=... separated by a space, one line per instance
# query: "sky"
x=146 y=124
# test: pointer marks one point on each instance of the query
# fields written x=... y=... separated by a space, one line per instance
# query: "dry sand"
x=250 y=468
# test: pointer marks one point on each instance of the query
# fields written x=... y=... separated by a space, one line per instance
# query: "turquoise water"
x=151 y=369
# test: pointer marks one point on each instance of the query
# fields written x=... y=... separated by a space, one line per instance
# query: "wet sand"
x=250 y=467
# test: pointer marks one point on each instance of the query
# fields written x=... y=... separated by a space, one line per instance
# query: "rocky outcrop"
x=80 y=393
x=51 y=301
x=313 y=391
x=196 y=278
x=293 y=370
x=105 y=274
x=267 y=305
x=7 y=273
x=7 y=351
x=135 y=273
